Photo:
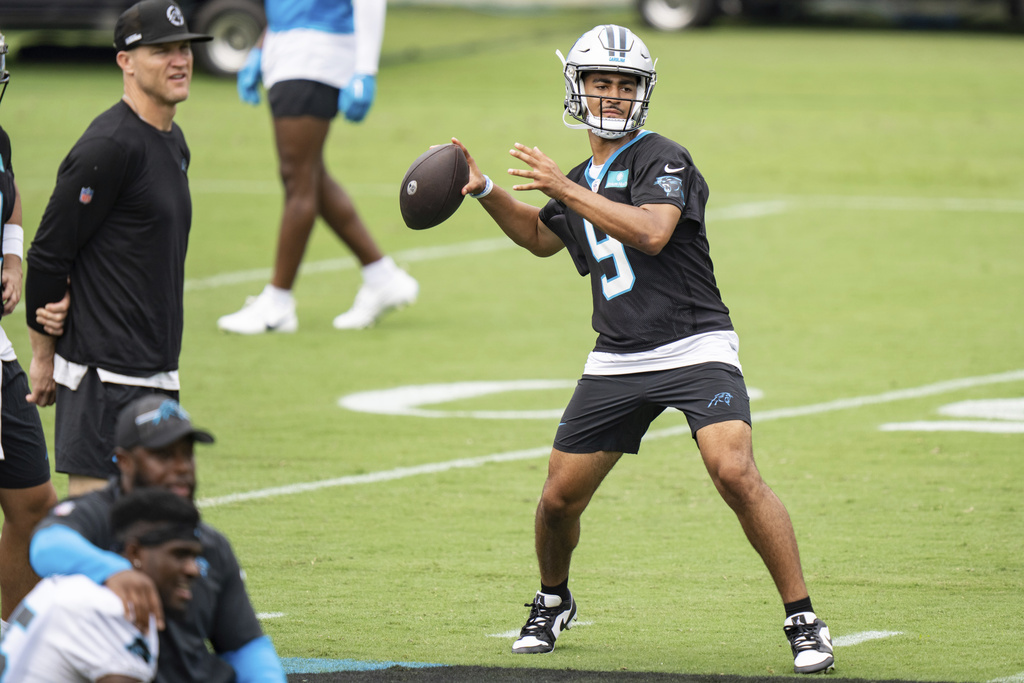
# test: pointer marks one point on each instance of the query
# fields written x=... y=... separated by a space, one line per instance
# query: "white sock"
x=278 y=297
x=378 y=273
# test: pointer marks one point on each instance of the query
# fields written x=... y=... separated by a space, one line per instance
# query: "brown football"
x=432 y=187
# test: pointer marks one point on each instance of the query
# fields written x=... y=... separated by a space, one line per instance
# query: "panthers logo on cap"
x=174 y=16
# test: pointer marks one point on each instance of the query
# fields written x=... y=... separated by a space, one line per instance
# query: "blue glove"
x=249 y=77
x=355 y=98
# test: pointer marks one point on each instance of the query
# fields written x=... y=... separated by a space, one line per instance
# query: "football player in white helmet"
x=610 y=49
x=632 y=217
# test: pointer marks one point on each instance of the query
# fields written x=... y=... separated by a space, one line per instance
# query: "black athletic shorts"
x=303 y=98
x=86 y=421
x=613 y=412
x=25 y=462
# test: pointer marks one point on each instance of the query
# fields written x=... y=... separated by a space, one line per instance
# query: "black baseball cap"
x=151 y=22
x=155 y=421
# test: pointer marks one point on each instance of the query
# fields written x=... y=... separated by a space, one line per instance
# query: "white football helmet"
x=608 y=48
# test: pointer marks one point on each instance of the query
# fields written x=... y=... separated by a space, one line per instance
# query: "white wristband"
x=486 y=191
x=14 y=239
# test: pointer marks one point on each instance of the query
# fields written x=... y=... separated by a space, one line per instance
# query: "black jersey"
x=7 y=193
x=118 y=224
x=219 y=612
x=642 y=302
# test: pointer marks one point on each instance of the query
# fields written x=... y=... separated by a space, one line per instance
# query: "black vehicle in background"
x=676 y=15
x=234 y=24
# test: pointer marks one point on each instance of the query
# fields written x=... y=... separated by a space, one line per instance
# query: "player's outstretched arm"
x=519 y=220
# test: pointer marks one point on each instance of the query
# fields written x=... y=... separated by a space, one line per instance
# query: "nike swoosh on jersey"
x=668 y=169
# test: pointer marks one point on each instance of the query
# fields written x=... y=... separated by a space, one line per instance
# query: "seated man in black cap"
x=69 y=629
x=115 y=232
x=155 y=440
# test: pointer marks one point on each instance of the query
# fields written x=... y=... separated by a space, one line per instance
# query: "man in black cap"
x=115 y=232
x=155 y=440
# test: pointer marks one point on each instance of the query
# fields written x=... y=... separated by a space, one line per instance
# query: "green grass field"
x=867 y=226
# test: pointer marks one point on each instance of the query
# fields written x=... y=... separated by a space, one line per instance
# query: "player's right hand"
x=476 y=183
x=249 y=77
x=40 y=377
x=138 y=593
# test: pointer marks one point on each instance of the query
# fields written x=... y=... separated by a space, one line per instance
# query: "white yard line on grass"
x=741 y=211
x=736 y=212
x=863 y=637
x=543 y=451
x=1015 y=678
x=515 y=633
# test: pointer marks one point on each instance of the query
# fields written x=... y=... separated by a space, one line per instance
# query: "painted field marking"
x=409 y=399
x=740 y=211
x=977 y=426
x=1015 y=678
x=863 y=637
x=515 y=633
x=543 y=451
x=993 y=416
x=269 y=615
x=840 y=641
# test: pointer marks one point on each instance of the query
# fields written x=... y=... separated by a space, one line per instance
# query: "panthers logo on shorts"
x=724 y=397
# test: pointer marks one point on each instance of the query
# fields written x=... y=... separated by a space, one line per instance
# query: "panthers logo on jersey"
x=672 y=185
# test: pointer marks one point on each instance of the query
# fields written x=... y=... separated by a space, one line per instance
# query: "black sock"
x=798 y=606
x=561 y=590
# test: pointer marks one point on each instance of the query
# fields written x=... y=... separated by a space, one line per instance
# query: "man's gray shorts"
x=85 y=423
x=613 y=412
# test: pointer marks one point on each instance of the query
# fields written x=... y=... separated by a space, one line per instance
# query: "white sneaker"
x=260 y=314
x=373 y=302
x=811 y=643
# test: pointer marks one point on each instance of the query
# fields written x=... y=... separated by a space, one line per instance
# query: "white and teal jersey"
x=69 y=630
x=643 y=302
x=326 y=41
x=330 y=16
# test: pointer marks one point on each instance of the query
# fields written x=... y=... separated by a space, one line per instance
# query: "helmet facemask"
x=5 y=75
x=609 y=49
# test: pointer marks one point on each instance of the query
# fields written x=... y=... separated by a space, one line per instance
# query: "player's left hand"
x=356 y=97
x=11 y=278
x=544 y=172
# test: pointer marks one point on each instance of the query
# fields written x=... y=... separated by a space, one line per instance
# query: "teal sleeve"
x=59 y=549
x=256 y=662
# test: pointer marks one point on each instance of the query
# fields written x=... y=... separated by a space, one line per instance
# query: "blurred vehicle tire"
x=675 y=15
x=235 y=25
x=1016 y=9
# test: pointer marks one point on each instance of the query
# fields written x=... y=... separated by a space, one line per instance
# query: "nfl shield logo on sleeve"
x=85 y=196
